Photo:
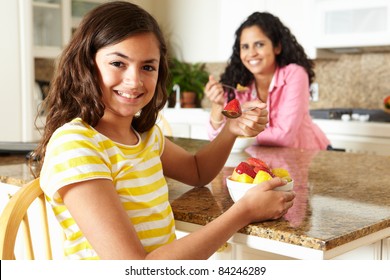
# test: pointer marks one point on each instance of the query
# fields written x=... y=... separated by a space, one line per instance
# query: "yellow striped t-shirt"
x=77 y=152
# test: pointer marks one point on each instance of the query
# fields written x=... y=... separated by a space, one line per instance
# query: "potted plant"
x=191 y=77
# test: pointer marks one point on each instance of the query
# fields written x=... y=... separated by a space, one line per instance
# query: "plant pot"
x=188 y=99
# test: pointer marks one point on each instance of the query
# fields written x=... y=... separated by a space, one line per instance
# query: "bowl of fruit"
x=250 y=173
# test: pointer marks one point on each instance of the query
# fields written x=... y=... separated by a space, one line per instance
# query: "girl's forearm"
x=212 y=157
x=204 y=242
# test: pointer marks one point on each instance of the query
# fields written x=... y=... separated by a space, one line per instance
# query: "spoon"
x=235 y=89
x=233 y=114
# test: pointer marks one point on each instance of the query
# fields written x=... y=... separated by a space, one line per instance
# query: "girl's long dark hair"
x=279 y=34
x=74 y=90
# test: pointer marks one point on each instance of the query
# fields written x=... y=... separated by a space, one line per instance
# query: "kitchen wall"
x=351 y=80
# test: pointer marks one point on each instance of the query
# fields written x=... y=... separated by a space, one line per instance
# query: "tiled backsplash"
x=351 y=81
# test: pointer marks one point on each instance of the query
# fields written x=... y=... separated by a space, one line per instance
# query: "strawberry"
x=255 y=162
x=245 y=168
x=258 y=165
x=232 y=109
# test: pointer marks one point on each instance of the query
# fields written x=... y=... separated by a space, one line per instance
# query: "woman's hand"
x=263 y=203
x=252 y=122
x=214 y=91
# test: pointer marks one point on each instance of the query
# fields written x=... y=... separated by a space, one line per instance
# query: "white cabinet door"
x=355 y=136
x=368 y=252
x=386 y=249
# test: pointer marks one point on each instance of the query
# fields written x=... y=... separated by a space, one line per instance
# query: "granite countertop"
x=340 y=197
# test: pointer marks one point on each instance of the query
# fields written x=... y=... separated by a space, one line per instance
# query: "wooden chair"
x=15 y=216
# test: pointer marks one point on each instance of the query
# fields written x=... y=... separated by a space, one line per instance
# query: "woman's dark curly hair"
x=74 y=90
x=279 y=34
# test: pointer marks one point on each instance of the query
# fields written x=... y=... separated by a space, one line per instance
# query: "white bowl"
x=238 y=189
x=242 y=143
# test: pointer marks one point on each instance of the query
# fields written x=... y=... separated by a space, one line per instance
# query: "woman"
x=272 y=65
x=104 y=160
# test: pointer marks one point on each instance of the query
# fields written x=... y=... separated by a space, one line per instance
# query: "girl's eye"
x=149 y=68
x=117 y=64
x=244 y=47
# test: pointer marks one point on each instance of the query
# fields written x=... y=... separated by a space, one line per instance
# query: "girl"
x=104 y=160
x=269 y=61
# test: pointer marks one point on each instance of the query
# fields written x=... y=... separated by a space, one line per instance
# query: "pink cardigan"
x=290 y=124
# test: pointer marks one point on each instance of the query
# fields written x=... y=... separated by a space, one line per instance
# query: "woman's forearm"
x=216 y=117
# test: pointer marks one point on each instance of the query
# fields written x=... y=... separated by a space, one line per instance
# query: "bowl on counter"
x=242 y=143
x=238 y=189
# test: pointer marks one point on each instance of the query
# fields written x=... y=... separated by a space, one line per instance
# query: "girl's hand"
x=263 y=203
x=252 y=122
x=214 y=91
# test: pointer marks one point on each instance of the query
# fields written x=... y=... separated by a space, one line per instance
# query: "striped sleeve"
x=74 y=154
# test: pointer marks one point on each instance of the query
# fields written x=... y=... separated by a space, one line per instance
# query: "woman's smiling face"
x=128 y=73
x=257 y=52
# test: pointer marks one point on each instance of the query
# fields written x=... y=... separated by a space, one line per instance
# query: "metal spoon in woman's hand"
x=238 y=89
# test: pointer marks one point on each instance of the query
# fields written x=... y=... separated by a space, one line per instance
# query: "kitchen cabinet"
x=33 y=29
x=50 y=32
x=351 y=24
x=386 y=249
x=53 y=23
x=357 y=136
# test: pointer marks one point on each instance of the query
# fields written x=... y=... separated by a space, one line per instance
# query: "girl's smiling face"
x=128 y=74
